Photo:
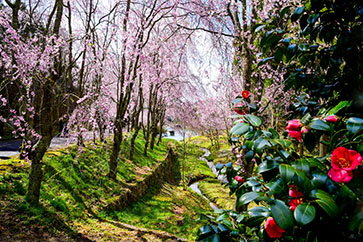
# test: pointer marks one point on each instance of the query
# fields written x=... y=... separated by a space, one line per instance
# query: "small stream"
x=222 y=178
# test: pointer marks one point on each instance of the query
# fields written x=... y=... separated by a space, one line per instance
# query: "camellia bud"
x=239 y=179
x=293 y=124
x=304 y=130
x=332 y=119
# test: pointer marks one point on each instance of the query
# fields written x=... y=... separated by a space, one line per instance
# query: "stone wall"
x=165 y=171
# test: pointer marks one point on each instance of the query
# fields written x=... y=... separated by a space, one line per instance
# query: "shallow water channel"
x=222 y=178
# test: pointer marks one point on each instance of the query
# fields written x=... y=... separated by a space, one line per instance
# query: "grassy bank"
x=76 y=191
x=217 y=193
x=191 y=165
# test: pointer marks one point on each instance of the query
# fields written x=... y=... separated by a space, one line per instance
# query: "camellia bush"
x=295 y=192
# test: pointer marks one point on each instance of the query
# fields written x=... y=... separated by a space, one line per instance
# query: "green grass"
x=218 y=154
x=194 y=168
x=217 y=193
x=171 y=209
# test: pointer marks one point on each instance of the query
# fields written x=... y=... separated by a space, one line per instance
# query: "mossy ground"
x=170 y=208
x=192 y=167
x=217 y=193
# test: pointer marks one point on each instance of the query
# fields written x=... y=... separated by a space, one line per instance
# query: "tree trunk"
x=146 y=144
x=47 y=116
x=117 y=140
x=153 y=137
x=132 y=143
x=101 y=129
x=36 y=173
x=323 y=149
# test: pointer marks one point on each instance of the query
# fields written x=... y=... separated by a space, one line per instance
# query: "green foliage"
x=323 y=55
x=293 y=187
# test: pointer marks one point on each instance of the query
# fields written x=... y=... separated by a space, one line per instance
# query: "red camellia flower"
x=295 y=134
x=293 y=124
x=339 y=175
x=245 y=94
x=293 y=129
x=294 y=203
x=345 y=159
x=239 y=179
x=238 y=109
x=272 y=229
x=293 y=192
x=332 y=119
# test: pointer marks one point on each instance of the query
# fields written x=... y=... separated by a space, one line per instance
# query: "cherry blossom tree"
x=34 y=67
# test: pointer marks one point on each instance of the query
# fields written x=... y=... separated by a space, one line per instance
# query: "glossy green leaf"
x=265 y=60
x=302 y=180
x=274 y=133
x=319 y=124
x=282 y=215
x=326 y=202
x=211 y=238
x=304 y=213
x=249 y=155
x=252 y=106
x=287 y=172
x=253 y=120
x=337 y=136
x=219 y=166
x=205 y=229
x=267 y=134
x=354 y=125
x=306 y=119
x=249 y=144
x=261 y=144
x=276 y=187
x=319 y=179
x=297 y=13
x=258 y=27
x=240 y=217
x=239 y=129
x=267 y=165
x=254 y=221
x=259 y=211
x=315 y=163
x=248 y=197
x=237 y=100
x=302 y=165
x=223 y=228
x=356 y=222
x=284 y=11
x=347 y=192
x=312 y=18
x=339 y=106
x=222 y=217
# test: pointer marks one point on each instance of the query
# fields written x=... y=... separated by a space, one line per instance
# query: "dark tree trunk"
x=132 y=143
x=117 y=140
x=46 y=115
x=36 y=173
